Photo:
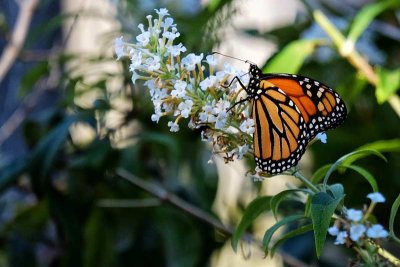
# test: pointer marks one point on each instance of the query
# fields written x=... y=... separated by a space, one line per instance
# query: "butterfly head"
x=255 y=72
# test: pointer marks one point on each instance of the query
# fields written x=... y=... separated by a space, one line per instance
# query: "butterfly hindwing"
x=322 y=108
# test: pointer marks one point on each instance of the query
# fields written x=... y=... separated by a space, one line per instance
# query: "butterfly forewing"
x=280 y=131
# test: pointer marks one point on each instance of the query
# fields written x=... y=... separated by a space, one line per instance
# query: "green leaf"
x=291 y=57
x=320 y=173
x=392 y=145
x=11 y=172
x=298 y=231
x=99 y=249
x=323 y=206
x=33 y=76
x=393 y=213
x=349 y=158
x=270 y=232
x=255 y=208
x=366 y=174
x=45 y=153
x=365 y=17
x=388 y=84
x=337 y=191
x=278 y=198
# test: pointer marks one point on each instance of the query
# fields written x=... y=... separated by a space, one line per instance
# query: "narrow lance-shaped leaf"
x=291 y=234
x=366 y=15
x=270 y=232
x=366 y=174
x=296 y=53
x=388 y=84
x=391 y=145
x=349 y=158
x=393 y=213
x=278 y=198
x=323 y=206
x=255 y=208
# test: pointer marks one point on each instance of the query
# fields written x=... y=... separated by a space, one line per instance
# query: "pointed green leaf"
x=366 y=174
x=350 y=158
x=323 y=206
x=270 y=232
x=253 y=210
x=393 y=213
x=392 y=145
x=32 y=76
x=320 y=173
x=388 y=84
x=278 y=198
x=366 y=16
x=291 y=57
x=291 y=234
x=337 y=191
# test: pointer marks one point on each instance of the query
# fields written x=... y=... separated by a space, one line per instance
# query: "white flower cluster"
x=354 y=227
x=187 y=87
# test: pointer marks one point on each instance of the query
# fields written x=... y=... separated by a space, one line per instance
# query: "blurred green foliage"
x=55 y=218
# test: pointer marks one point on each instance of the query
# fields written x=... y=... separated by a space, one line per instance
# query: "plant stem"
x=305 y=181
x=346 y=48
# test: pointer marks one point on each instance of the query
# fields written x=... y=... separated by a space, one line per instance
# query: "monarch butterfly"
x=288 y=112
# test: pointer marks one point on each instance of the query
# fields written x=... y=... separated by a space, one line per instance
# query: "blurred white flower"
x=119 y=47
x=247 y=126
x=173 y=126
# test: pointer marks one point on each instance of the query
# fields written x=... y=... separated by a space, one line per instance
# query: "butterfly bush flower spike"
x=181 y=90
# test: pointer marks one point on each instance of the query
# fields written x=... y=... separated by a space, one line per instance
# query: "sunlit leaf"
x=254 y=209
x=366 y=15
x=291 y=57
x=323 y=206
x=392 y=145
x=388 y=84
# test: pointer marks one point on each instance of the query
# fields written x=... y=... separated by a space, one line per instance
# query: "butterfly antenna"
x=245 y=61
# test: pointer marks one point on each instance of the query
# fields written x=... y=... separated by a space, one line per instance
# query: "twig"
x=166 y=197
x=129 y=203
x=348 y=51
x=13 y=48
